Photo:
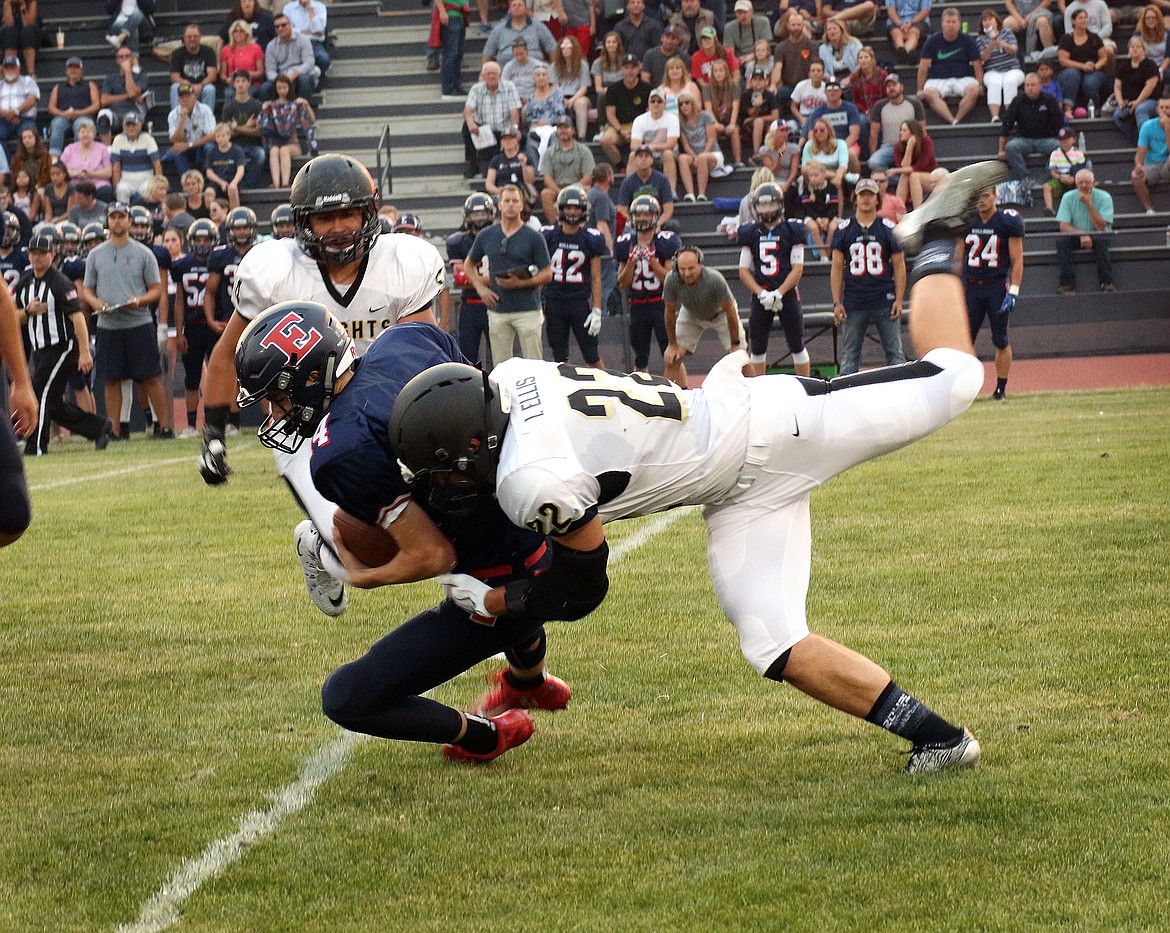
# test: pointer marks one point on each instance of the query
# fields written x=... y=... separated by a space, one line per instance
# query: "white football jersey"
x=628 y=444
x=403 y=274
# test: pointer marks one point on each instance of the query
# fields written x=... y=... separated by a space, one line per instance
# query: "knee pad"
x=775 y=670
x=1000 y=343
x=801 y=357
x=335 y=695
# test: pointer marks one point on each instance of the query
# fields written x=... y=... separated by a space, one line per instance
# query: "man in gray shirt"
x=566 y=162
x=886 y=118
x=290 y=55
x=121 y=283
x=696 y=299
x=603 y=216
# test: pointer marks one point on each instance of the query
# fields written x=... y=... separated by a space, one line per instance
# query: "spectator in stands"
x=1063 y=164
x=31 y=154
x=1046 y=72
x=1035 y=19
x=1151 y=29
x=818 y=204
x=550 y=14
x=999 y=52
x=781 y=155
x=1083 y=63
x=155 y=201
x=177 y=217
x=493 y=103
x=1086 y=218
x=758 y=109
x=194 y=64
x=57 y=194
x=452 y=22
x=691 y=20
x=746 y=29
x=950 y=67
x=1036 y=120
x=283 y=120
x=892 y=207
x=498 y=47
x=566 y=162
x=121 y=93
x=225 y=164
x=640 y=33
x=87 y=159
x=25 y=194
x=510 y=166
x=810 y=93
x=711 y=51
x=867 y=84
x=1150 y=161
x=1099 y=22
x=839 y=52
x=762 y=57
x=845 y=119
x=242 y=111
x=808 y=17
x=676 y=81
x=794 y=53
x=135 y=160
x=914 y=163
x=908 y=26
x=660 y=131
x=721 y=100
x=700 y=154
x=625 y=101
x=519 y=69
x=21 y=32
x=645 y=179
x=833 y=153
x=570 y=73
x=18 y=99
x=190 y=127
x=292 y=56
x=197 y=197
x=607 y=69
x=86 y=209
x=1135 y=90
x=859 y=16
x=259 y=21
x=243 y=53
x=654 y=63
x=310 y=18
x=541 y=111
x=581 y=23
x=72 y=98
x=126 y=19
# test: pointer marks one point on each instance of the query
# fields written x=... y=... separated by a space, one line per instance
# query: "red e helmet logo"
x=290 y=338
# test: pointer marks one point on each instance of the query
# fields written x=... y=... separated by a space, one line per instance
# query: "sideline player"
x=479 y=211
x=771 y=263
x=572 y=300
x=367 y=281
x=19 y=399
x=994 y=248
x=646 y=257
x=581 y=447
x=298 y=357
x=195 y=334
x=240 y=230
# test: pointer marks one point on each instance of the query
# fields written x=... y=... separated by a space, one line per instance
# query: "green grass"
x=161 y=672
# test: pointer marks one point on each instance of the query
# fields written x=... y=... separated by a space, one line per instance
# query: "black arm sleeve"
x=572 y=587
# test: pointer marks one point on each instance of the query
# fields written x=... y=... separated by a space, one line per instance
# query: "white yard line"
x=192 y=458
x=161 y=911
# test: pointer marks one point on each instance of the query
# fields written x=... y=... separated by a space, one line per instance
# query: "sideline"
x=161 y=911
x=137 y=468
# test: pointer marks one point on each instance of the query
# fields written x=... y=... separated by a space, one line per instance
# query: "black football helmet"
x=644 y=212
x=70 y=238
x=447 y=426
x=292 y=354
x=141 y=225
x=241 y=227
x=283 y=226
x=573 y=206
x=479 y=211
x=329 y=183
x=768 y=203
x=201 y=238
x=10 y=235
x=93 y=235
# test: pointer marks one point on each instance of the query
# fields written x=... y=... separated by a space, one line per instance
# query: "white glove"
x=468 y=593
x=770 y=301
x=593 y=322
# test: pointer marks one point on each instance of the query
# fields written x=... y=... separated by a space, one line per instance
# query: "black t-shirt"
x=1134 y=79
x=1082 y=53
x=509 y=169
x=767 y=104
x=628 y=103
x=190 y=67
x=239 y=112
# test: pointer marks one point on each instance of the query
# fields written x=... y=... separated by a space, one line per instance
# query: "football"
x=370 y=544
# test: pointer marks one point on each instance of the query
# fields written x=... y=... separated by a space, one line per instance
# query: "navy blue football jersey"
x=74 y=268
x=570 y=254
x=190 y=275
x=773 y=250
x=224 y=260
x=354 y=464
x=646 y=287
x=987 y=259
x=869 y=253
x=13 y=265
x=162 y=256
x=458 y=248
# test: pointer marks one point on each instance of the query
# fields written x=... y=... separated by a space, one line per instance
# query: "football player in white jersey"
x=367 y=280
x=565 y=449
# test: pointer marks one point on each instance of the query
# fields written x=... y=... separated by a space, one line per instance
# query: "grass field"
x=159 y=687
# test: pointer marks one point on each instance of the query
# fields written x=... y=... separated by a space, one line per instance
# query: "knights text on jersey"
x=401 y=275
x=570 y=255
x=868 y=256
x=629 y=445
x=773 y=250
x=646 y=287
x=987 y=259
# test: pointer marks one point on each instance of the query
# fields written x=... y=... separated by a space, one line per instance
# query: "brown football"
x=370 y=544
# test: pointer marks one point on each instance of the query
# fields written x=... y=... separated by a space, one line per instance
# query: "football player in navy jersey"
x=288 y=355
x=13 y=259
x=771 y=262
x=240 y=228
x=142 y=230
x=868 y=279
x=69 y=242
x=645 y=257
x=195 y=337
x=479 y=211
x=572 y=300
x=994 y=250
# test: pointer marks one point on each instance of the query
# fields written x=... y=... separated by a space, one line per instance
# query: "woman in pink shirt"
x=88 y=159
x=242 y=53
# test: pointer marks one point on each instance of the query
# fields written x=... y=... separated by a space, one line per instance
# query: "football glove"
x=213 y=463
x=593 y=322
x=1009 y=303
x=468 y=593
x=770 y=300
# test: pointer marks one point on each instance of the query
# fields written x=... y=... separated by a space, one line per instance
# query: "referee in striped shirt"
x=49 y=312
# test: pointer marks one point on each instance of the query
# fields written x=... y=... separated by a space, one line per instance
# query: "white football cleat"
x=945 y=212
x=963 y=753
x=325 y=590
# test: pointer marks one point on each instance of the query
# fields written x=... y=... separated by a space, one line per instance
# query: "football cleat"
x=945 y=212
x=515 y=727
x=325 y=590
x=551 y=695
x=963 y=753
x=998 y=395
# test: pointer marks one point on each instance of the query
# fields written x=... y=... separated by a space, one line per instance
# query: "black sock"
x=527 y=655
x=192 y=417
x=1001 y=384
x=480 y=737
x=234 y=419
x=124 y=428
x=524 y=683
x=898 y=712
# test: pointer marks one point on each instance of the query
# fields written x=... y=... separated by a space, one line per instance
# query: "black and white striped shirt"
x=54 y=326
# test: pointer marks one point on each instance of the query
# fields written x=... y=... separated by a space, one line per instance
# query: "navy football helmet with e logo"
x=292 y=355
x=328 y=183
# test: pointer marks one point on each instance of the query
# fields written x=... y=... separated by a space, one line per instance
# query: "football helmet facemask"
x=479 y=211
x=573 y=206
x=644 y=212
x=70 y=238
x=241 y=227
x=10 y=235
x=768 y=203
x=201 y=238
x=329 y=183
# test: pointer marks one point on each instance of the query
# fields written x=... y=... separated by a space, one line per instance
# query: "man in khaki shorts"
x=696 y=299
x=1151 y=160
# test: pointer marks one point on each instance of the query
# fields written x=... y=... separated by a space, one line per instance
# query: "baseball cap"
x=743 y=5
x=832 y=85
x=519 y=40
x=12 y=60
x=657 y=93
x=186 y=89
x=631 y=59
x=758 y=72
x=894 y=77
x=408 y=222
x=1066 y=133
x=132 y=117
x=41 y=243
x=644 y=148
x=867 y=184
x=74 y=60
x=707 y=32
x=118 y=207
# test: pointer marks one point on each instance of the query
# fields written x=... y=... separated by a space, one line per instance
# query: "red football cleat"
x=551 y=695
x=515 y=727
